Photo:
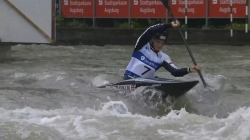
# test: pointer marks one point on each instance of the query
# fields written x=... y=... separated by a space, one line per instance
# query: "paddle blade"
x=165 y=3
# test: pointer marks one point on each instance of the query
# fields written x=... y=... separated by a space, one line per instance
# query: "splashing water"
x=114 y=120
x=51 y=94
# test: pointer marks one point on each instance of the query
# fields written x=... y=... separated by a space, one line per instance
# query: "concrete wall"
x=75 y=36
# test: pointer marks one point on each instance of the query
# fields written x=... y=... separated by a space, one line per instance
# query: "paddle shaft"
x=189 y=51
x=192 y=57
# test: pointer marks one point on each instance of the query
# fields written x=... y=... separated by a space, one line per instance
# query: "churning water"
x=50 y=93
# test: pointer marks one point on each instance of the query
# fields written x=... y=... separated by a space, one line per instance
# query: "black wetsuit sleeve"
x=175 y=72
x=147 y=35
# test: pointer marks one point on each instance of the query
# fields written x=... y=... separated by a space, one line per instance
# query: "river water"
x=49 y=93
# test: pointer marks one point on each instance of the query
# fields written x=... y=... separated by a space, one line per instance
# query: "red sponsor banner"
x=112 y=8
x=77 y=8
x=195 y=8
x=221 y=8
x=147 y=9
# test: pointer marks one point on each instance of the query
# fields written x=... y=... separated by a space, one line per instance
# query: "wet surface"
x=49 y=92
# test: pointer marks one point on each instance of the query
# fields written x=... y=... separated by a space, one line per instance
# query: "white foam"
x=41 y=75
x=19 y=75
x=114 y=119
x=100 y=80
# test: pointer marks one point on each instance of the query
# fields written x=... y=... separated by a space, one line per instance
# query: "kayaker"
x=147 y=56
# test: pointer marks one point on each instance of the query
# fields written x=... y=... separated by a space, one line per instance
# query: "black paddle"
x=167 y=5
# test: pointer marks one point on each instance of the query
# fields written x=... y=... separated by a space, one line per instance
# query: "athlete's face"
x=158 y=44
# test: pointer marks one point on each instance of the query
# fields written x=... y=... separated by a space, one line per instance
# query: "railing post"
x=186 y=12
x=248 y=11
x=129 y=13
x=231 y=17
x=207 y=11
x=246 y=28
x=94 y=13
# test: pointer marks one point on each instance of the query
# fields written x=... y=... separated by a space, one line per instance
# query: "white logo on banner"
x=174 y=2
x=135 y=2
x=100 y=2
x=215 y=1
x=66 y=2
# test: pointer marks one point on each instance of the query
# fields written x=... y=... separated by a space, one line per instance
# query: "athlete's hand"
x=194 y=69
x=175 y=23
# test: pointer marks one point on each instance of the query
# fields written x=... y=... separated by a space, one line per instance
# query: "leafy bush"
x=155 y=21
x=125 y=25
x=144 y=23
x=64 y=22
x=77 y=23
x=184 y=26
x=133 y=24
x=60 y=21
x=237 y=26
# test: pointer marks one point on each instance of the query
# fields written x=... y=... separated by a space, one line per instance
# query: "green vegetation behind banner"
x=218 y=23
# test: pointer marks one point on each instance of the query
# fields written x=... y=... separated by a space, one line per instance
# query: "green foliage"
x=77 y=23
x=155 y=21
x=184 y=26
x=60 y=21
x=237 y=26
x=205 y=27
x=63 y=22
x=135 y=24
x=125 y=25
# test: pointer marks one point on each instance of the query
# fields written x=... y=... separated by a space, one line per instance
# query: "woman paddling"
x=147 y=56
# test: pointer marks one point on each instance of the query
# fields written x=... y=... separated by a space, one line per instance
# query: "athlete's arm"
x=150 y=32
x=174 y=70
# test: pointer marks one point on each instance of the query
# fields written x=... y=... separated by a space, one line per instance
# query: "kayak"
x=174 y=88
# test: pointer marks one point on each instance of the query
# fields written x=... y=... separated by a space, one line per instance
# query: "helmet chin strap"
x=152 y=47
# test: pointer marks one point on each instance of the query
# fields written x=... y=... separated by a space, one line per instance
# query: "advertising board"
x=112 y=8
x=77 y=8
x=147 y=9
